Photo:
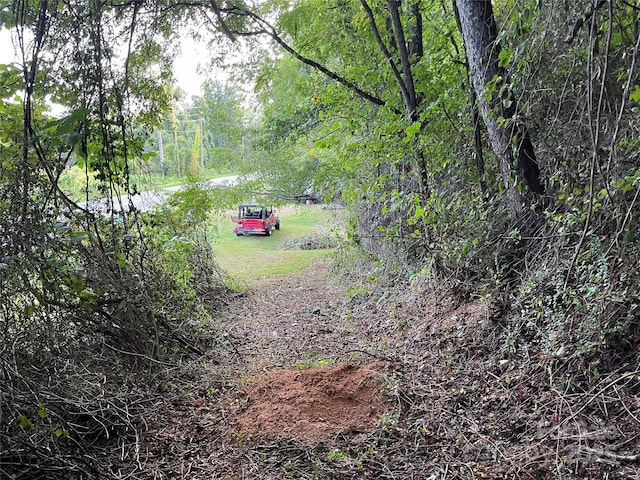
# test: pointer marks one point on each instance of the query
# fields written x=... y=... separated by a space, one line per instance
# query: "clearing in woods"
x=328 y=377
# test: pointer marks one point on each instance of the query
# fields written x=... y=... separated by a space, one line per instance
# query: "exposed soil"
x=387 y=384
x=313 y=404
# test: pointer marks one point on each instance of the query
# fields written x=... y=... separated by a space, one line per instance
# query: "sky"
x=186 y=65
x=7 y=53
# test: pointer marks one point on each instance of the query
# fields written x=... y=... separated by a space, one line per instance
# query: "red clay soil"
x=313 y=404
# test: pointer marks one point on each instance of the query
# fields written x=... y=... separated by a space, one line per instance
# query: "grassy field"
x=252 y=258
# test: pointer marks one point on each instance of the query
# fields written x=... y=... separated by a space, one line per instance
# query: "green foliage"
x=287 y=161
x=206 y=134
x=583 y=293
x=187 y=209
x=195 y=166
x=24 y=423
x=290 y=108
x=336 y=455
x=597 y=313
x=368 y=157
x=80 y=289
x=79 y=183
x=454 y=233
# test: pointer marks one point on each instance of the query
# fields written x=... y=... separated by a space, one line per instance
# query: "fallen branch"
x=608 y=454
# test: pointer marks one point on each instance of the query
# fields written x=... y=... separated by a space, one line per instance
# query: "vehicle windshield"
x=254 y=211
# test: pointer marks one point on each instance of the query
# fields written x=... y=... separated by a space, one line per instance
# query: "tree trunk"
x=409 y=50
x=479 y=33
x=409 y=91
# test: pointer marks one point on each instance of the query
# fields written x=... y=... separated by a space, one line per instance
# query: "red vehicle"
x=255 y=219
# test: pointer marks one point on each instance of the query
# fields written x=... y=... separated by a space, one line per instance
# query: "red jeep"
x=255 y=219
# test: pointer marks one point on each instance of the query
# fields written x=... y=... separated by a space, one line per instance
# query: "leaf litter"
x=315 y=384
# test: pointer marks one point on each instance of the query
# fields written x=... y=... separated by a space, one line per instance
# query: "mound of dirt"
x=313 y=404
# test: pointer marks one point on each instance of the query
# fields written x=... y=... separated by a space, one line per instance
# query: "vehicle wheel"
x=278 y=224
x=238 y=234
x=267 y=231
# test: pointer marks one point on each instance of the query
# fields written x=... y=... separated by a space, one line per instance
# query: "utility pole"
x=161 y=154
x=177 y=153
x=202 y=144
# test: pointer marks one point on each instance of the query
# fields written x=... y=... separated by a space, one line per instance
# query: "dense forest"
x=483 y=150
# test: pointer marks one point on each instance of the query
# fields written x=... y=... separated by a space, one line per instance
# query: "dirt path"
x=297 y=320
x=315 y=384
x=300 y=365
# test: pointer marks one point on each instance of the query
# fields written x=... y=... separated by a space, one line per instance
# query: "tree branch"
x=409 y=93
x=269 y=30
x=223 y=23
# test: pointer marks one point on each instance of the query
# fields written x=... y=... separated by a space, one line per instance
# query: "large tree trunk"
x=509 y=141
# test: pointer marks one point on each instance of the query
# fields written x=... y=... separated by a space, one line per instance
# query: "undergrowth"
x=85 y=340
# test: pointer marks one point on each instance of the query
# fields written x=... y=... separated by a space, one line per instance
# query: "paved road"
x=146 y=201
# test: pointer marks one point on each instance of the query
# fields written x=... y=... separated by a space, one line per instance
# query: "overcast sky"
x=185 y=71
x=6 y=47
x=185 y=67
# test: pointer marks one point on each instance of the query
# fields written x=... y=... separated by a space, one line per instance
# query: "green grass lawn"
x=252 y=258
